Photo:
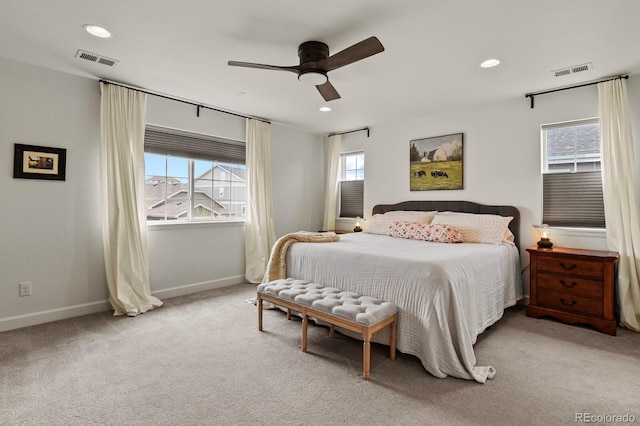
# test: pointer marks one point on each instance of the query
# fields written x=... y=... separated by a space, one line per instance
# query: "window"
x=193 y=177
x=572 y=181
x=352 y=184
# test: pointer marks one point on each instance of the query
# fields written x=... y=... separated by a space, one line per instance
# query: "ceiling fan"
x=315 y=63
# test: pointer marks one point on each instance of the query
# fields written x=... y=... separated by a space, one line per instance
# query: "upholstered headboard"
x=457 y=206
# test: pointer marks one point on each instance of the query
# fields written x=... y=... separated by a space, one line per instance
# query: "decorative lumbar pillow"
x=379 y=222
x=437 y=233
x=478 y=228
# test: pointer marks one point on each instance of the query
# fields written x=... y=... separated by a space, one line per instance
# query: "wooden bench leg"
x=332 y=330
x=305 y=321
x=392 y=344
x=259 y=313
x=367 y=356
x=288 y=313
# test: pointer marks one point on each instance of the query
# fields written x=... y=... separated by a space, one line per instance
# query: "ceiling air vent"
x=572 y=70
x=83 y=54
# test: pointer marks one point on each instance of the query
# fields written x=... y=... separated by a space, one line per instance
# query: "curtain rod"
x=350 y=131
x=531 y=95
x=197 y=105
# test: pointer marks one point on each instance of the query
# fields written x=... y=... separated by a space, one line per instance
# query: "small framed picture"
x=39 y=162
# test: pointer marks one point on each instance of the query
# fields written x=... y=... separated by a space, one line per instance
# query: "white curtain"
x=122 y=123
x=259 y=232
x=620 y=196
x=333 y=176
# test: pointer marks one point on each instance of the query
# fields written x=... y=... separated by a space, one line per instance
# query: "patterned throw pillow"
x=437 y=233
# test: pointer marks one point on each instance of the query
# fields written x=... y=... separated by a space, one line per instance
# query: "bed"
x=447 y=294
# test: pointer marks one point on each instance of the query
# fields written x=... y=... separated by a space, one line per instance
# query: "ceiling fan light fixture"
x=313 y=77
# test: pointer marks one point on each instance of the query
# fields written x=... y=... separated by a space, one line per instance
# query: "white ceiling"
x=433 y=49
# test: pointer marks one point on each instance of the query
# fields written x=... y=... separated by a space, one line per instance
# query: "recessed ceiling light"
x=490 y=63
x=97 y=31
x=325 y=109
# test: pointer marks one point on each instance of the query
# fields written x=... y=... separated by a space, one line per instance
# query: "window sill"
x=579 y=232
x=156 y=226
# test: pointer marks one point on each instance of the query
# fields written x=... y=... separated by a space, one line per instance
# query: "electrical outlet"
x=25 y=289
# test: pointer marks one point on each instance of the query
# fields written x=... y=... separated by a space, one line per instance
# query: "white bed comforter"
x=447 y=294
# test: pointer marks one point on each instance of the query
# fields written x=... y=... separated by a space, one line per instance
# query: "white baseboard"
x=41 y=317
x=198 y=287
x=50 y=315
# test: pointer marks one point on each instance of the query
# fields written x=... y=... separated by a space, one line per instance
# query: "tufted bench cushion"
x=351 y=306
x=349 y=310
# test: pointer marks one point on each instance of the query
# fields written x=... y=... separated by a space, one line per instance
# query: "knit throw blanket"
x=277 y=266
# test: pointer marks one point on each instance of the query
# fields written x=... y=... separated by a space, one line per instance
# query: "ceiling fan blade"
x=352 y=54
x=295 y=69
x=328 y=92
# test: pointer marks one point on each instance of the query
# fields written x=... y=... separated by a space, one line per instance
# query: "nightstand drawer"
x=569 y=303
x=566 y=265
x=570 y=284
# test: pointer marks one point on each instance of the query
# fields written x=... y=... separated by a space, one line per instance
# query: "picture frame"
x=39 y=162
x=436 y=163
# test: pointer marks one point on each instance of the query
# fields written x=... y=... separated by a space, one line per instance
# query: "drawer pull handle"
x=570 y=267
x=573 y=302
x=564 y=284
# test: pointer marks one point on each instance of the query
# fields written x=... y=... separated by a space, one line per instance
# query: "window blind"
x=573 y=200
x=164 y=141
x=351 y=198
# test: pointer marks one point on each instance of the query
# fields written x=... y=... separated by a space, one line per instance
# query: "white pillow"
x=478 y=228
x=379 y=222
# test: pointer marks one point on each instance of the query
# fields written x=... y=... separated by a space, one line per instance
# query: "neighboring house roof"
x=564 y=142
x=238 y=174
x=175 y=205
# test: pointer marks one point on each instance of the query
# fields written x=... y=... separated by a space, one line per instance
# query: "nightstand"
x=575 y=286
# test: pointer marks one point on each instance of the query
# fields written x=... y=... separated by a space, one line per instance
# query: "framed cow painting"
x=436 y=163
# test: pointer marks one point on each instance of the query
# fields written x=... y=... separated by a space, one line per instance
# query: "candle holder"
x=545 y=234
x=358 y=227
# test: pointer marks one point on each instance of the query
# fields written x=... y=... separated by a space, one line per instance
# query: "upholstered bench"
x=351 y=311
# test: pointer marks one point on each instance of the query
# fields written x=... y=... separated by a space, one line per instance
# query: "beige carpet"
x=201 y=360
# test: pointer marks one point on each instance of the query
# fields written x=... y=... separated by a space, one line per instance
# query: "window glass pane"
x=350 y=162
x=352 y=166
x=178 y=167
x=588 y=141
x=568 y=147
x=203 y=191
x=155 y=185
x=572 y=184
x=591 y=166
x=238 y=199
x=219 y=189
x=200 y=168
x=155 y=164
x=351 y=187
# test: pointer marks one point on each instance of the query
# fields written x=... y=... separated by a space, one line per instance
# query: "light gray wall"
x=298 y=167
x=50 y=232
